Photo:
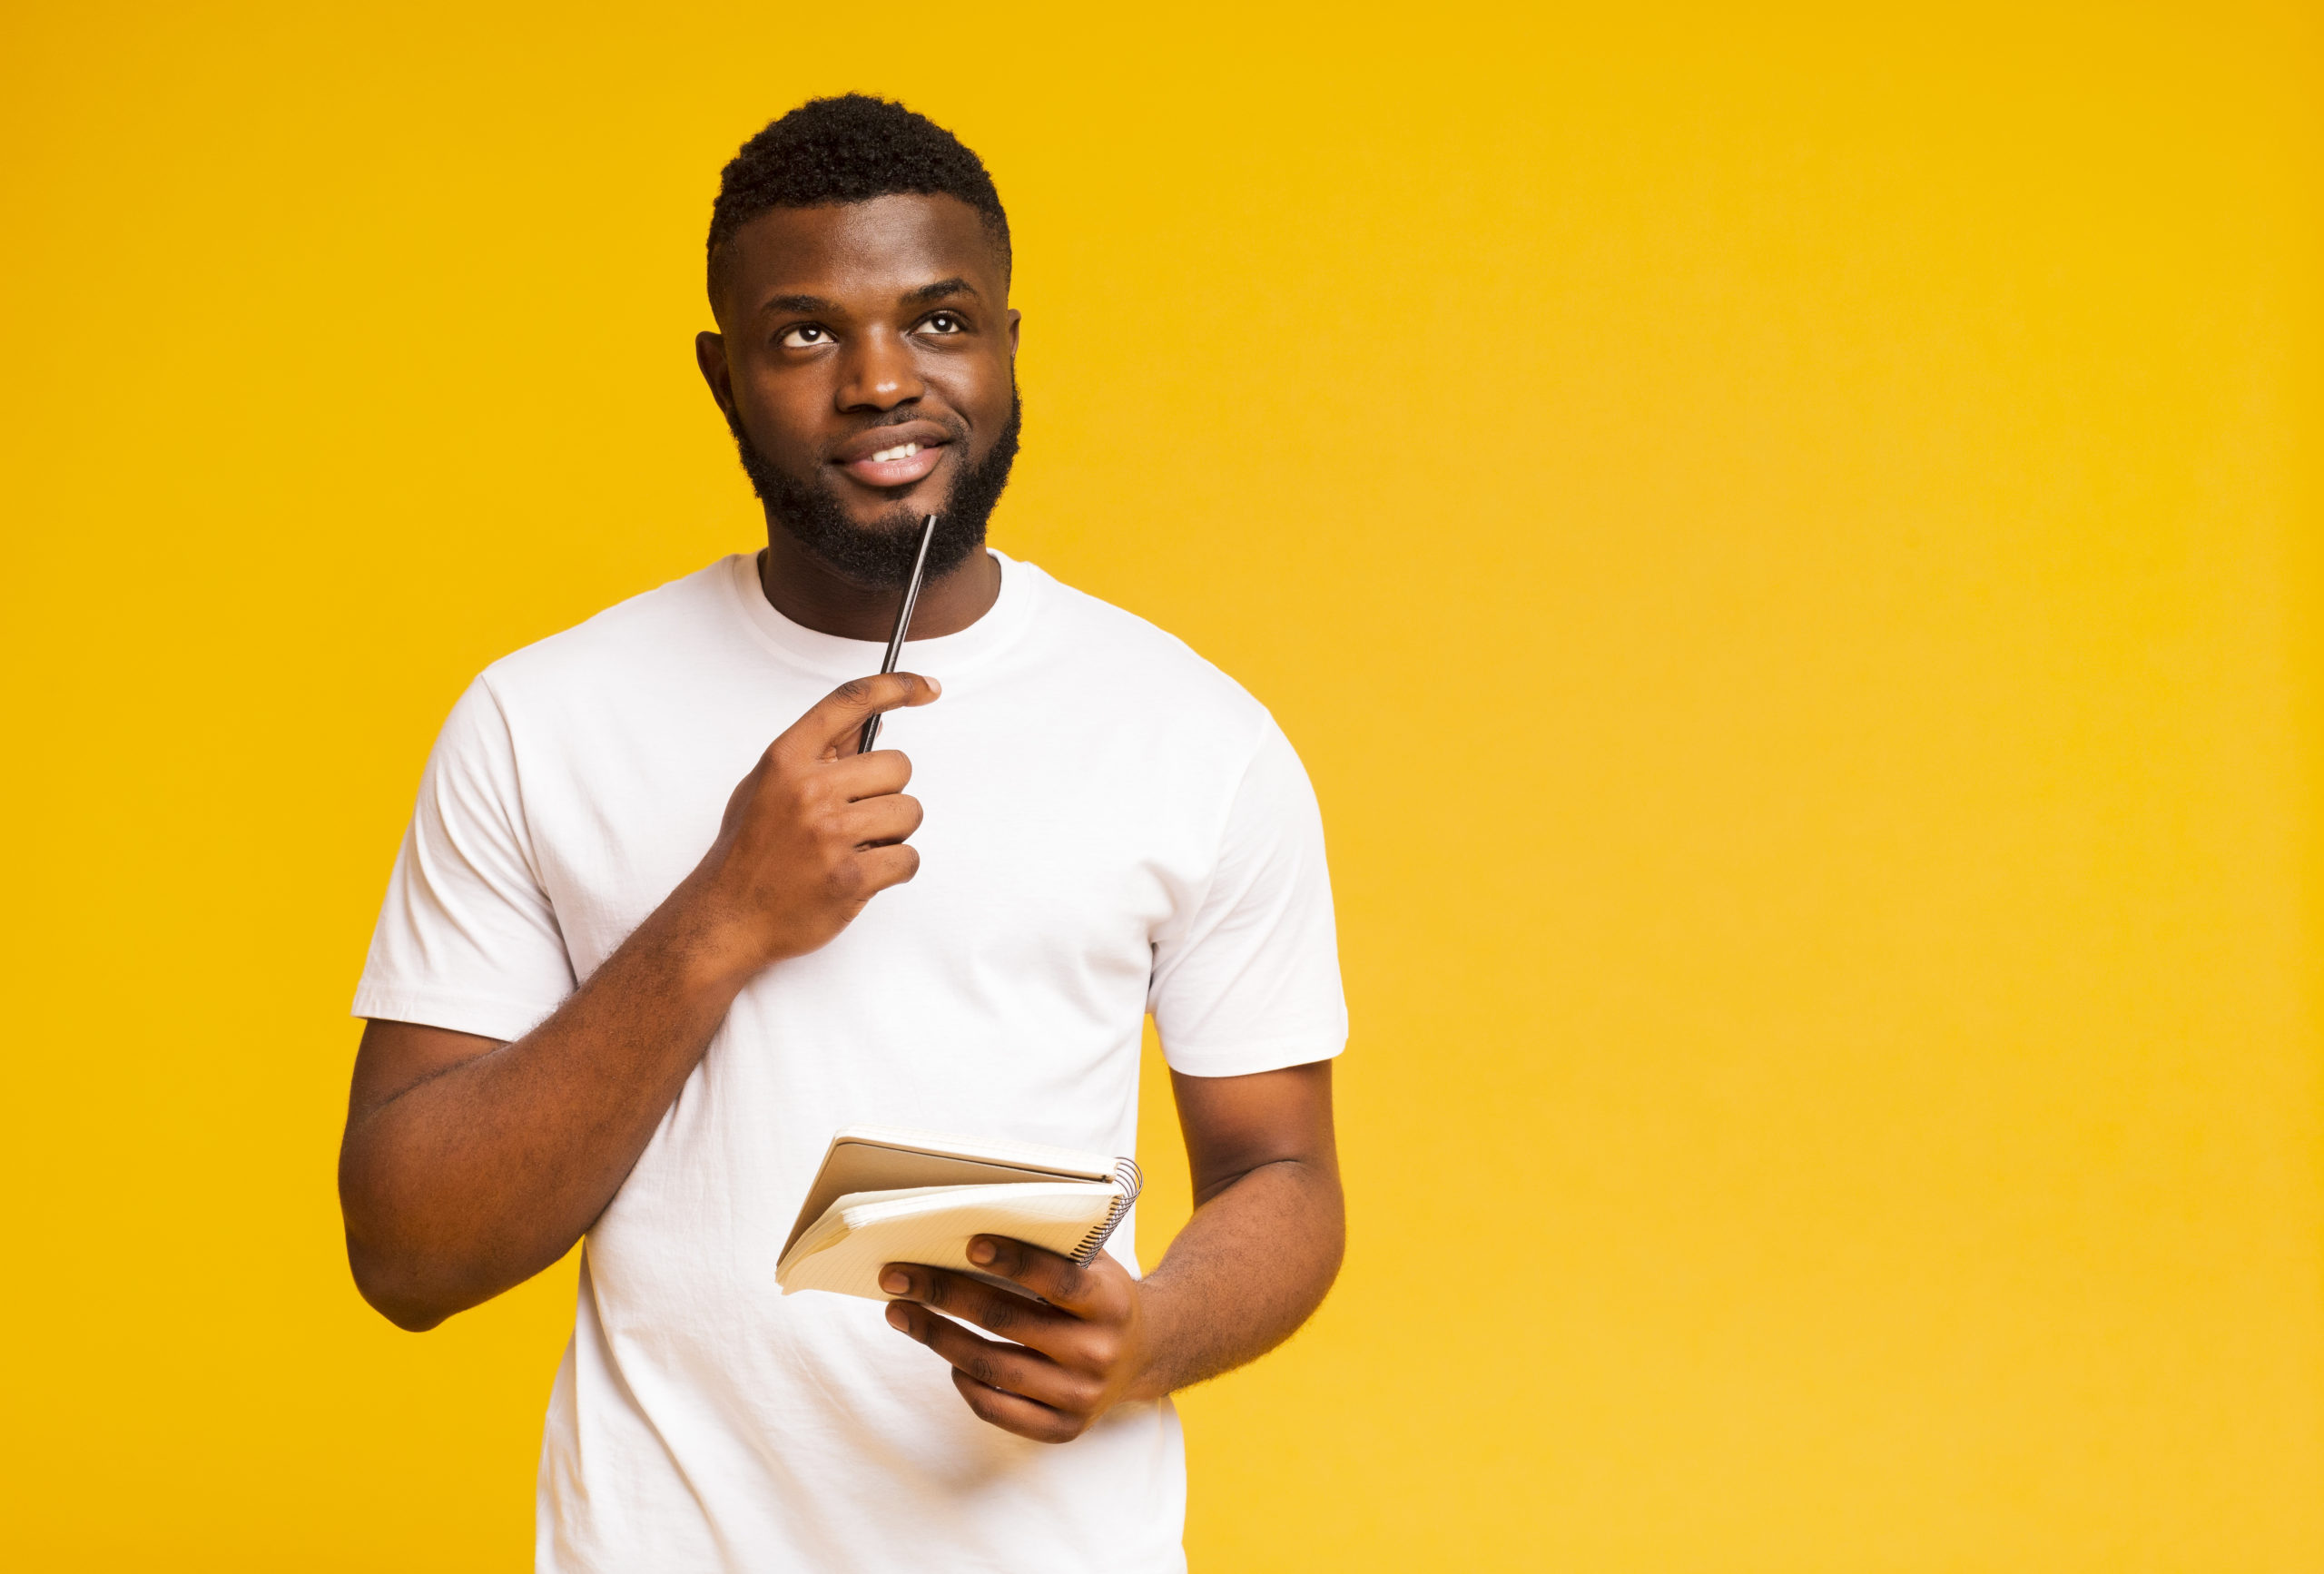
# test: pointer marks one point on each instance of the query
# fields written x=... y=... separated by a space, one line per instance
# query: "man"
x=637 y=962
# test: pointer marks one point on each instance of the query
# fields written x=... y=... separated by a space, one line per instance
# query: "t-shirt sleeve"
x=467 y=939
x=1251 y=980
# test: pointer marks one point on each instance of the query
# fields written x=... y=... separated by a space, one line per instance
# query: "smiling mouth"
x=899 y=465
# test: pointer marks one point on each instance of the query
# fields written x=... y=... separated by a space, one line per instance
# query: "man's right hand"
x=814 y=833
x=469 y=1164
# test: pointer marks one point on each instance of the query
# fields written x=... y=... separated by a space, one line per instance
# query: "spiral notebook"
x=886 y=1194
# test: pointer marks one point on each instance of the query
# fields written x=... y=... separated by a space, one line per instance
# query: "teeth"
x=905 y=452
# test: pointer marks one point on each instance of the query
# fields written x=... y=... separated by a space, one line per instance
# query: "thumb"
x=836 y=719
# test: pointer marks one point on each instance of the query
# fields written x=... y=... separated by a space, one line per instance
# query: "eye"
x=806 y=336
x=944 y=322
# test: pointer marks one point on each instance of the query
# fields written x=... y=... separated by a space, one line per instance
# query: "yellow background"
x=1789 y=548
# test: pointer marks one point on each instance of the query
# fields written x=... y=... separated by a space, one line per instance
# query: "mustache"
x=955 y=430
x=904 y=415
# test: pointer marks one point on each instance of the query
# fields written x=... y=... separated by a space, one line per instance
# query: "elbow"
x=392 y=1290
x=416 y=1268
x=411 y=1316
x=388 y=1248
x=395 y=1270
x=410 y=1319
x=1332 y=1252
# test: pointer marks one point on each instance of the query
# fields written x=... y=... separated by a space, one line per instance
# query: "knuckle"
x=854 y=691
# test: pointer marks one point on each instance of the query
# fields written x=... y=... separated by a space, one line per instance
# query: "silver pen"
x=903 y=622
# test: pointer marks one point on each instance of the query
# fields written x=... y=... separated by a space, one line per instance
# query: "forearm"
x=1251 y=1266
x=478 y=1176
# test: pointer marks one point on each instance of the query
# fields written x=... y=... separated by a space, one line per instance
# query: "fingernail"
x=981 y=1252
x=898 y=1318
x=895 y=1282
x=935 y=685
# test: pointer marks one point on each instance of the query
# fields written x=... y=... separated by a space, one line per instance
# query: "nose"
x=879 y=373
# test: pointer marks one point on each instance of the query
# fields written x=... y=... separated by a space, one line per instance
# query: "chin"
x=903 y=513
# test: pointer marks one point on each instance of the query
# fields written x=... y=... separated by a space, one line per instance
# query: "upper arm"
x=1246 y=986
x=1246 y=980
x=1234 y=1125
x=468 y=938
x=398 y=1057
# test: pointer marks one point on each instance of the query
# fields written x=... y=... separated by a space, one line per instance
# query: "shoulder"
x=617 y=648
x=1144 y=664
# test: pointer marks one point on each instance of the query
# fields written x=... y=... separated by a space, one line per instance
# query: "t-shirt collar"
x=838 y=659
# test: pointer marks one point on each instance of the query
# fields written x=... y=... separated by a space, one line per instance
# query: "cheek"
x=981 y=391
x=780 y=415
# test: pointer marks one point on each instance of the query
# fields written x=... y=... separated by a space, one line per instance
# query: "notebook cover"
x=879 y=1158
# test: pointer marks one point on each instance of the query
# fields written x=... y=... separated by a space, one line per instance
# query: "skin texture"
x=469 y=1164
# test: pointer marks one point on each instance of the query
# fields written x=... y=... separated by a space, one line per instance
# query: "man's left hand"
x=1072 y=1361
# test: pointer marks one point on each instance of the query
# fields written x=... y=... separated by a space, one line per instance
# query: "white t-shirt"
x=1113 y=827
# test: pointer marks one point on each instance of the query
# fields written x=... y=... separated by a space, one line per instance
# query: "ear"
x=1015 y=317
x=710 y=356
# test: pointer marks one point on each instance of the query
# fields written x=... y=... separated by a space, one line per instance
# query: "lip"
x=854 y=456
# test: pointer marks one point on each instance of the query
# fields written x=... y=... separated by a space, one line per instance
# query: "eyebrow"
x=942 y=289
x=938 y=291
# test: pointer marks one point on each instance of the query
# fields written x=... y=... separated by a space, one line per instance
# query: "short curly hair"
x=850 y=149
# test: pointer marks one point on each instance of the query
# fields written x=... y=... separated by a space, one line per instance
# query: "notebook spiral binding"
x=1126 y=1176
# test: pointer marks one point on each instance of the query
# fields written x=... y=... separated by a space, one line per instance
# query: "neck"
x=803 y=589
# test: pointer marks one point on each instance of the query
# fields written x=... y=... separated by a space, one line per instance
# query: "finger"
x=1010 y=1368
x=877 y=822
x=1029 y=1323
x=1013 y=1412
x=878 y=868
x=1087 y=1292
x=874 y=775
x=831 y=729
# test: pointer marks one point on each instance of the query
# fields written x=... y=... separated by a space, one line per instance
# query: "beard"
x=880 y=557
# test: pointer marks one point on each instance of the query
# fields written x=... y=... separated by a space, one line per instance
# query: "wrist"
x=707 y=951
x=1158 y=1370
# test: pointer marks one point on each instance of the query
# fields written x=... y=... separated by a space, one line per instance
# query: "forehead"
x=882 y=247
